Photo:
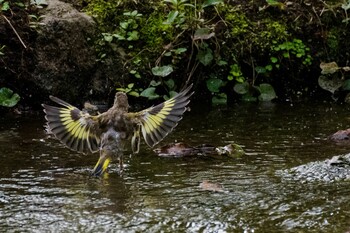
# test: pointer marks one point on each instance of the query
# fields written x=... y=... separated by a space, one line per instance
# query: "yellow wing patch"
x=72 y=127
x=158 y=121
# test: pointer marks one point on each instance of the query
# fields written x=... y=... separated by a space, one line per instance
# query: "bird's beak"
x=101 y=166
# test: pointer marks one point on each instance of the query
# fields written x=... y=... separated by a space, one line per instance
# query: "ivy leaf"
x=267 y=92
x=219 y=99
x=249 y=98
x=203 y=34
x=8 y=98
x=154 y=83
x=330 y=85
x=214 y=84
x=150 y=93
x=170 y=83
x=329 y=68
x=171 y=95
x=205 y=56
x=260 y=70
x=241 y=88
x=162 y=71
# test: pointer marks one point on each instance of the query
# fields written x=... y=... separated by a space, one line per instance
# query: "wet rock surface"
x=335 y=169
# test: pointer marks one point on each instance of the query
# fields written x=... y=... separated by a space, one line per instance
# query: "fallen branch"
x=8 y=21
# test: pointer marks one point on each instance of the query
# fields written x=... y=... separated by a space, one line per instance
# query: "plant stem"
x=8 y=21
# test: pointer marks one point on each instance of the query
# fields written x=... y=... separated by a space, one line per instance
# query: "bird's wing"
x=74 y=128
x=158 y=121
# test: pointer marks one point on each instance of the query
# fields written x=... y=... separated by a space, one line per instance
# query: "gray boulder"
x=330 y=170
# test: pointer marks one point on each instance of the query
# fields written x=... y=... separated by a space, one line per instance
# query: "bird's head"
x=121 y=101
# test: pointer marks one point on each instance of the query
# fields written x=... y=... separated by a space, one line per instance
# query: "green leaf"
x=268 y=67
x=130 y=85
x=203 y=34
x=170 y=83
x=260 y=70
x=249 y=98
x=214 y=84
x=171 y=95
x=285 y=55
x=273 y=59
x=180 y=50
x=171 y=17
x=5 y=6
x=330 y=84
x=154 y=83
x=222 y=63
x=267 y=92
x=107 y=37
x=211 y=3
x=346 y=85
x=205 y=56
x=134 y=35
x=134 y=93
x=329 y=68
x=219 y=99
x=122 y=89
x=241 y=88
x=8 y=98
x=149 y=93
x=240 y=79
x=162 y=71
x=124 y=25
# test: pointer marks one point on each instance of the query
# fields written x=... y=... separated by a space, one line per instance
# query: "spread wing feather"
x=158 y=121
x=74 y=128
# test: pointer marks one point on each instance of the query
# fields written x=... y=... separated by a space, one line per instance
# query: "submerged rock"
x=213 y=187
x=341 y=135
x=330 y=170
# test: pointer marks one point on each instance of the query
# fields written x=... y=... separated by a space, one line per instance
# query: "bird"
x=109 y=132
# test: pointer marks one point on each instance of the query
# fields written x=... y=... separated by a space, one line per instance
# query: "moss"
x=154 y=32
x=239 y=24
x=272 y=32
x=333 y=40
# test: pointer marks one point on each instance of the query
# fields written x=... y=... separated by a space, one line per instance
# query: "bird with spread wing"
x=108 y=132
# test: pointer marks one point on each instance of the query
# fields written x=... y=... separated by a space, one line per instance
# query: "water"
x=45 y=187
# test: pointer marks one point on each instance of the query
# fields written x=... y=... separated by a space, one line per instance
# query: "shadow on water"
x=46 y=187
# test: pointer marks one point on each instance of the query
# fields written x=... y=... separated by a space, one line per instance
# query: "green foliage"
x=130 y=90
x=332 y=77
x=205 y=55
x=235 y=74
x=231 y=46
x=155 y=33
x=162 y=71
x=8 y=98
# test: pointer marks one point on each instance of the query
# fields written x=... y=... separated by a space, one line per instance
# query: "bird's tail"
x=101 y=165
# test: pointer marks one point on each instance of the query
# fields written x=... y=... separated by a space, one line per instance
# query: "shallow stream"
x=45 y=187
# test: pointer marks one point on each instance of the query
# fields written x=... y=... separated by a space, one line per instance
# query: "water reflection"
x=45 y=187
